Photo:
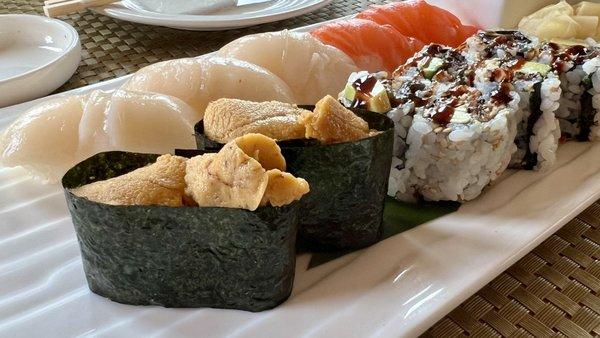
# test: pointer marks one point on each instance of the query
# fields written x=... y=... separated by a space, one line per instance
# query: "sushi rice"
x=538 y=131
x=578 y=112
x=511 y=56
x=452 y=162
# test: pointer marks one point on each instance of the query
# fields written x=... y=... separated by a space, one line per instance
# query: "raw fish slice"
x=44 y=140
x=181 y=78
x=149 y=123
x=236 y=79
x=373 y=47
x=200 y=81
x=311 y=68
x=418 y=19
x=52 y=137
x=93 y=137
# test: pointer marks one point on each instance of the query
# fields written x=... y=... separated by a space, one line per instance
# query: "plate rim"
x=206 y=22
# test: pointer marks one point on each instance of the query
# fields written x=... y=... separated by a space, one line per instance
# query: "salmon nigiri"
x=422 y=21
x=371 y=46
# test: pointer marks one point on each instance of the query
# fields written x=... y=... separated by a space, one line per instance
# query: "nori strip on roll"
x=180 y=256
x=586 y=114
x=348 y=183
x=530 y=160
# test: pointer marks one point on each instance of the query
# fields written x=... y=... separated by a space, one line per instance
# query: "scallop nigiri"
x=311 y=68
x=417 y=18
x=53 y=136
x=150 y=123
x=198 y=81
x=44 y=140
x=373 y=47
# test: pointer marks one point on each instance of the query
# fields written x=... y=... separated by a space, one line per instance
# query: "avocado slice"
x=349 y=92
x=433 y=67
x=461 y=115
x=531 y=67
x=379 y=102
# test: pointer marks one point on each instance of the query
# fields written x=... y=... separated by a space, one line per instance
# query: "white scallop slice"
x=149 y=123
x=181 y=78
x=93 y=136
x=199 y=81
x=44 y=140
x=311 y=68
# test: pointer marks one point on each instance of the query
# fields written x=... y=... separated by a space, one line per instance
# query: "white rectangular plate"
x=399 y=287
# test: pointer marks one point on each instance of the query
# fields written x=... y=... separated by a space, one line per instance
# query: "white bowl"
x=37 y=55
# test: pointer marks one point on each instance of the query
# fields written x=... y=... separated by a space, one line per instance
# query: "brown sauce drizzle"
x=444 y=112
x=507 y=38
x=576 y=54
x=363 y=87
x=502 y=94
x=506 y=72
x=409 y=92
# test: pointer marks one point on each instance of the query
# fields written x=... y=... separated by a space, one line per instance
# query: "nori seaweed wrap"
x=180 y=256
x=348 y=182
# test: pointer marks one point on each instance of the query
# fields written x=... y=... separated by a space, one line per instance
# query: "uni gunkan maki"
x=216 y=230
x=345 y=157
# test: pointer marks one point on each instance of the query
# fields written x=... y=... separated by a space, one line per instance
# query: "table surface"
x=553 y=290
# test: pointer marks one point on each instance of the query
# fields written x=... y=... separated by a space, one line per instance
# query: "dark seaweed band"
x=181 y=257
x=586 y=113
x=348 y=184
x=530 y=159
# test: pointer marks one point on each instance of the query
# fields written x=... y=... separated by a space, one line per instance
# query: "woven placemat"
x=553 y=291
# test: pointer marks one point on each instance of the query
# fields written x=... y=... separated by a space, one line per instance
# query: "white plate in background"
x=243 y=16
x=37 y=55
x=399 y=287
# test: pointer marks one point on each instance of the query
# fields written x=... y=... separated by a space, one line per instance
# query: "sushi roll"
x=504 y=45
x=539 y=90
x=171 y=231
x=578 y=67
x=451 y=140
x=345 y=156
x=454 y=143
x=509 y=60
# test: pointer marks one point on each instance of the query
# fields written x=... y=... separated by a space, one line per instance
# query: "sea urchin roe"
x=161 y=183
x=283 y=188
x=263 y=149
x=331 y=122
x=239 y=175
x=226 y=119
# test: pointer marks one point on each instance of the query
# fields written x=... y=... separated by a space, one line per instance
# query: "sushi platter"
x=193 y=196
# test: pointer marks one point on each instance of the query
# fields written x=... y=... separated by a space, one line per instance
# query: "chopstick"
x=53 y=8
